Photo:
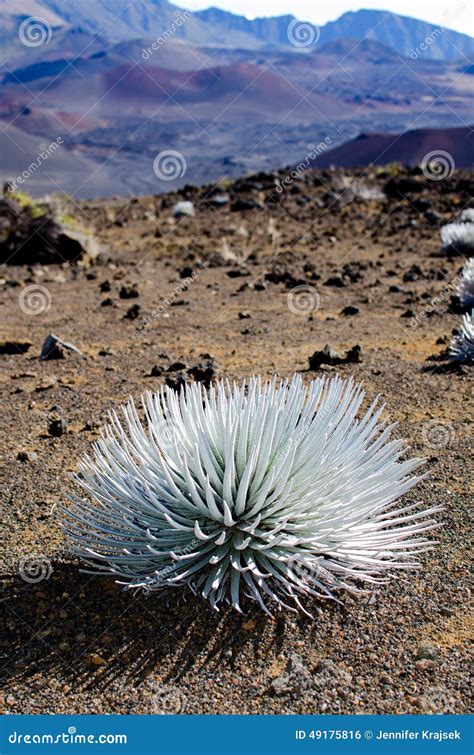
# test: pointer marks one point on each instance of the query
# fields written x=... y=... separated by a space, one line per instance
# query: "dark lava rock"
x=33 y=234
x=350 y=311
x=401 y=187
x=57 y=427
x=105 y=287
x=56 y=348
x=14 y=347
x=433 y=217
x=336 y=280
x=27 y=456
x=129 y=292
x=176 y=367
x=408 y=313
x=329 y=357
x=177 y=380
x=413 y=274
x=241 y=205
x=133 y=312
x=204 y=372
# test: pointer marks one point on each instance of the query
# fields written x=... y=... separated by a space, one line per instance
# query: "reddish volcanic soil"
x=76 y=643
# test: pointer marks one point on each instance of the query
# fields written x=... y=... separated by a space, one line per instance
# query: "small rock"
x=27 y=456
x=244 y=315
x=241 y=205
x=156 y=371
x=14 y=347
x=281 y=685
x=204 y=372
x=354 y=355
x=425 y=665
x=426 y=651
x=336 y=280
x=176 y=367
x=350 y=311
x=105 y=287
x=330 y=357
x=132 y=312
x=96 y=660
x=129 y=292
x=57 y=427
x=219 y=200
x=56 y=348
x=183 y=209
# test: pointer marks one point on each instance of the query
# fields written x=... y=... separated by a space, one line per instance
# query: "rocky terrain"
x=248 y=278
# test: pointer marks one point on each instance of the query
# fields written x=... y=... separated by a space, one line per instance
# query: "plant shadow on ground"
x=89 y=631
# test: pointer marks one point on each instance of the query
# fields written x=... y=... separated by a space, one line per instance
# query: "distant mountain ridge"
x=120 y=20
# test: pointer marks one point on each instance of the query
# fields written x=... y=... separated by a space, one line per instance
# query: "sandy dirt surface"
x=221 y=291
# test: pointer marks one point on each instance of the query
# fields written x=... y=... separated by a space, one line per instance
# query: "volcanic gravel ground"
x=218 y=290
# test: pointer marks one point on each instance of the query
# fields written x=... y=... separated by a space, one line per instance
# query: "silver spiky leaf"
x=461 y=348
x=466 y=285
x=271 y=489
x=467 y=215
x=458 y=238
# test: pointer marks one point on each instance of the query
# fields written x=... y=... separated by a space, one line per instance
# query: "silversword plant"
x=467 y=215
x=458 y=238
x=272 y=489
x=466 y=285
x=461 y=348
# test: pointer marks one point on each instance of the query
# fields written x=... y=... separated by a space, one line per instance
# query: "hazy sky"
x=457 y=14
